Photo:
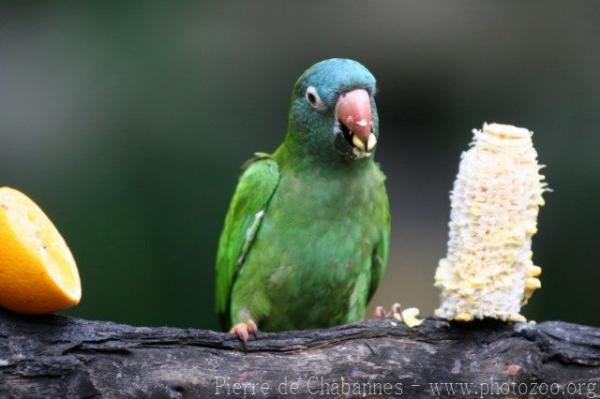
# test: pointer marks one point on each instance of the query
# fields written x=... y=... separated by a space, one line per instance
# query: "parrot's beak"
x=354 y=120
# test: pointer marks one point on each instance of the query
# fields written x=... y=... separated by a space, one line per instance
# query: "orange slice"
x=37 y=271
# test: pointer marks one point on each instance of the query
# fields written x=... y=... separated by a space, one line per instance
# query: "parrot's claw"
x=244 y=330
x=379 y=313
x=395 y=311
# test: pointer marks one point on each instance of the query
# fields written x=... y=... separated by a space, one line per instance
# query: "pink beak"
x=353 y=109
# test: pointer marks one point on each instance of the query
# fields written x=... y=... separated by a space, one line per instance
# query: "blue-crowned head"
x=333 y=113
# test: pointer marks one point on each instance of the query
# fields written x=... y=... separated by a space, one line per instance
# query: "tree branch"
x=53 y=356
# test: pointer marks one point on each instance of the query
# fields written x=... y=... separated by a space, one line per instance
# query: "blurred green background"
x=128 y=124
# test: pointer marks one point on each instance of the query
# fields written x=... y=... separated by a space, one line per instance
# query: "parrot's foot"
x=244 y=330
x=395 y=311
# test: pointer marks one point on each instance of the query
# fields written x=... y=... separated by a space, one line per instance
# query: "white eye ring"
x=312 y=97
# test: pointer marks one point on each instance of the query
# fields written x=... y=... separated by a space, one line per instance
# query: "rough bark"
x=56 y=357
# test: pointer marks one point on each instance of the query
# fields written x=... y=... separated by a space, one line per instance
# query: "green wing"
x=247 y=208
x=381 y=252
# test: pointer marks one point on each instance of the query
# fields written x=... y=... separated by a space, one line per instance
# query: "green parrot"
x=306 y=238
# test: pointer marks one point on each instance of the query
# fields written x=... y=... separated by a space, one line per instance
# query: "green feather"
x=254 y=190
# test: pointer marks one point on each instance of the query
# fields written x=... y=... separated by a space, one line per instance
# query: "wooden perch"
x=57 y=357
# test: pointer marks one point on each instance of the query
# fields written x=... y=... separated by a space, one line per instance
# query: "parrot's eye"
x=314 y=100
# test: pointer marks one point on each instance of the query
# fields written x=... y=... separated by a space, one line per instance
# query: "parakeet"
x=306 y=238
